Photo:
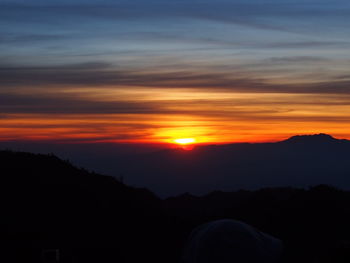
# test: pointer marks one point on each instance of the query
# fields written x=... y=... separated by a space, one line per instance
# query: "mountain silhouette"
x=299 y=161
x=320 y=138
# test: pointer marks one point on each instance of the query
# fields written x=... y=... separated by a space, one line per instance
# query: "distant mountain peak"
x=313 y=138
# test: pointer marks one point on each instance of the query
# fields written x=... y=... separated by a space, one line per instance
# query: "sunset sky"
x=155 y=71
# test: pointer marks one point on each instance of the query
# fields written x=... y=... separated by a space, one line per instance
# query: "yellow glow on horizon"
x=184 y=141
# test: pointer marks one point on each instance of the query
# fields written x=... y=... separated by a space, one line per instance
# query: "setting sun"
x=185 y=141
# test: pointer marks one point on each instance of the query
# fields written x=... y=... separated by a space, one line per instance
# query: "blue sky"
x=57 y=32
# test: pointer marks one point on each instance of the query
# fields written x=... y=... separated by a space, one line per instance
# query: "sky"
x=152 y=71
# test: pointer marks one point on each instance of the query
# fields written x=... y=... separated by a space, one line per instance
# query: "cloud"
x=96 y=74
x=59 y=104
x=296 y=59
x=307 y=44
x=28 y=38
x=224 y=106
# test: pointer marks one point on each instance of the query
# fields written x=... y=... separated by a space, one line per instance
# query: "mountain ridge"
x=299 y=161
x=314 y=138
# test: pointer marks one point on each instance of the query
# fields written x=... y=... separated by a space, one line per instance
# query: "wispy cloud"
x=97 y=74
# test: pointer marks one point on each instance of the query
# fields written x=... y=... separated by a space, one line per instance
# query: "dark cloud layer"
x=58 y=104
x=100 y=74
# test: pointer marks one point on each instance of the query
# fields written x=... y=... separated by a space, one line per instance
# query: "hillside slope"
x=48 y=203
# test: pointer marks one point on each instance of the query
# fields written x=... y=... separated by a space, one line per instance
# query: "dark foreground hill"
x=300 y=161
x=47 y=203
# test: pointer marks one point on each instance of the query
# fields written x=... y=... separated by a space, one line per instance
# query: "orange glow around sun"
x=212 y=118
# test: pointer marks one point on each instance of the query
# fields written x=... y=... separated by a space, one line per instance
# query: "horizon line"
x=159 y=143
